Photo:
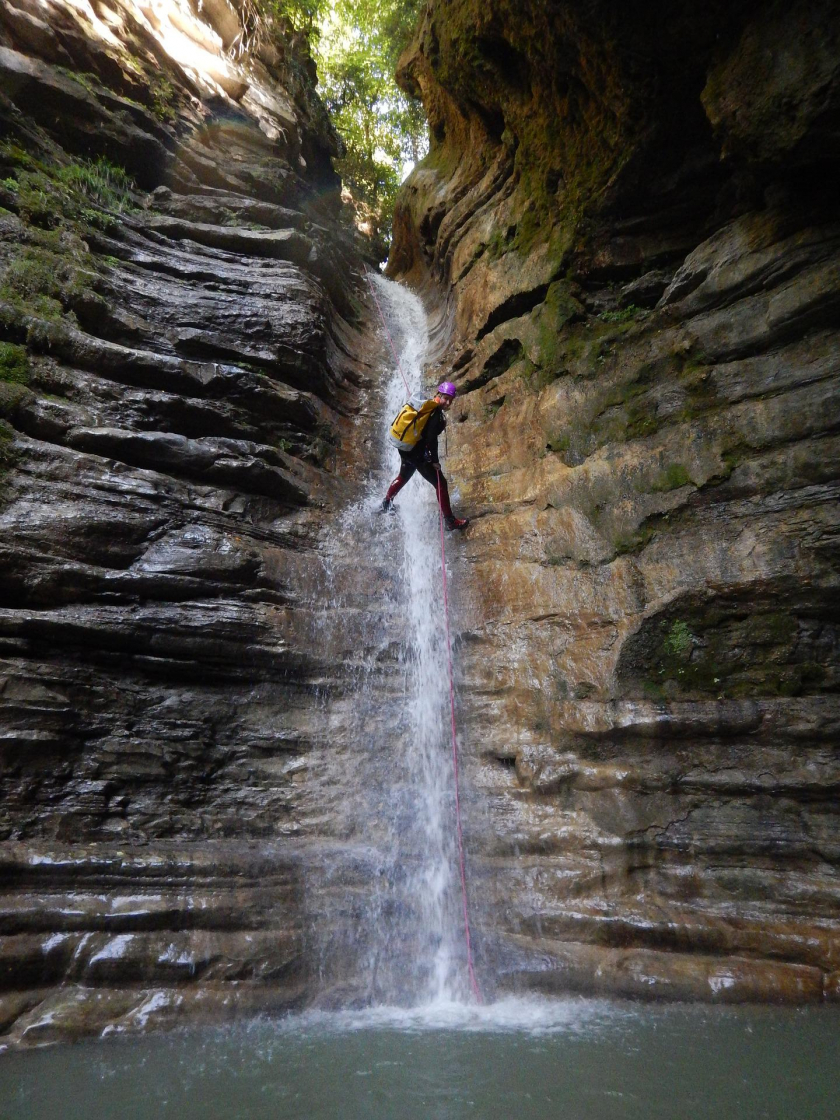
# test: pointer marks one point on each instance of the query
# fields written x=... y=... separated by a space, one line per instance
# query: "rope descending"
x=458 y=827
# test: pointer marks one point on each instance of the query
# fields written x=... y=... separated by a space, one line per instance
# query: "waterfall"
x=427 y=755
x=386 y=900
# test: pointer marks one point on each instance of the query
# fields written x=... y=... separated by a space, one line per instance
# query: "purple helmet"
x=447 y=389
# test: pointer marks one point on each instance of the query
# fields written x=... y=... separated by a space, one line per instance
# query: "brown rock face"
x=628 y=232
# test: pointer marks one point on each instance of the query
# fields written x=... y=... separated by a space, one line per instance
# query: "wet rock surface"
x=625 y=233
x=180 y=386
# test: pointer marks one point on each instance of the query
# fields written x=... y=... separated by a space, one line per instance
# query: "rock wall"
x=627 y=231
x=179 y=391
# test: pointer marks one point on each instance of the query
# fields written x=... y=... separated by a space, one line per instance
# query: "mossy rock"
x=44 y=283
x=729 y=648
x=629 y=543
x=78 y=193
x=12 y=396
x=626 y=314
x=674 y=477
x=8 y=454
x=14 y=363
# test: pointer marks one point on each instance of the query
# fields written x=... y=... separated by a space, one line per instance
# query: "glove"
x=427 y=455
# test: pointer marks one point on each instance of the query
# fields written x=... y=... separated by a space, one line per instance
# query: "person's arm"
x=435 y=425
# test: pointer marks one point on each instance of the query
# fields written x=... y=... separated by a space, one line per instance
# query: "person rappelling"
x=415 y=433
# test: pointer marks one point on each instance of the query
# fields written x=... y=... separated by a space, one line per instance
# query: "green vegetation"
x=53 y=270
x=162 y=97
x=50 y=196
x=625 y=402
x=728 y=651
x=500 y=241
x=356 y=54
x=7 y=453
x=519 y=238
x=84 y=78
x=14 y=378
x=627 y=543
x=552 y=316
x=43 y=283
x=14 y=363
x=672 y=478
x=356 y=44
x=559 y=444
x=679 y=639
x=99 y=180
x=626 y=315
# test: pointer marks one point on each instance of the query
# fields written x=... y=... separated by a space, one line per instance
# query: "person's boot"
x=452 y=522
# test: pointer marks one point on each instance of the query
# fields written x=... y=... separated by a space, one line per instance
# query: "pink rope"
x=387 y=332
x=458 y=828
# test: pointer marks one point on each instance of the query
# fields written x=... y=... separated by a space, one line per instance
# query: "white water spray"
x=385 y=903
x=432 y=878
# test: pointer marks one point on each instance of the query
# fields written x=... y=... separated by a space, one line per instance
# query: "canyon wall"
x=180 y=376
x=627 y=233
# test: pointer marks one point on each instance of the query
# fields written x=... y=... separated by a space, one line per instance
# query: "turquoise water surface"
x=516 y=1060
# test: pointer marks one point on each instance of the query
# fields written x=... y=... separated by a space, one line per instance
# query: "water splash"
x=538 y=1015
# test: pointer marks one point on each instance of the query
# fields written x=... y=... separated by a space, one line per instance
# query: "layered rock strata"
x=628 y=233
x=180 y=404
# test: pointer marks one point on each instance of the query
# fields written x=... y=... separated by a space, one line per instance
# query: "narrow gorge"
x=221 y=692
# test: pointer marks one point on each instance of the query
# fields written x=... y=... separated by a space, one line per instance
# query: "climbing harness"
x=458 y=827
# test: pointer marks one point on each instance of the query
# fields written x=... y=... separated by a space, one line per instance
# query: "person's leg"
x=432 y=476
x=407 y=469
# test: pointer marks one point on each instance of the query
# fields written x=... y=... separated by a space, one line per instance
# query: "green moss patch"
x=50 y=196
x=674 y=477
x=8 y=455
x=162 y=97
x=628 y=543
x=626 y=315
x=43 y=283
x=14 y=363
x=14 y=378
x=733 y=649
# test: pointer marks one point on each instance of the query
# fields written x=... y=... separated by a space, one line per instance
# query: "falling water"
x=405 y=939
x=428 y=759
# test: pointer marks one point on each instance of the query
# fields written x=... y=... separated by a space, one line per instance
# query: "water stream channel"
x=421 y=1047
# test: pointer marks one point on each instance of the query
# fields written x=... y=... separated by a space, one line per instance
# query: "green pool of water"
x=516 y=1060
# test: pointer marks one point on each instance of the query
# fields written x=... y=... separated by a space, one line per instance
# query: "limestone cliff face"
x=627 y=229
x=176 y=381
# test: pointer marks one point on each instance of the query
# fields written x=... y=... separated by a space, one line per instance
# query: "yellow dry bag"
x=409 y=423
